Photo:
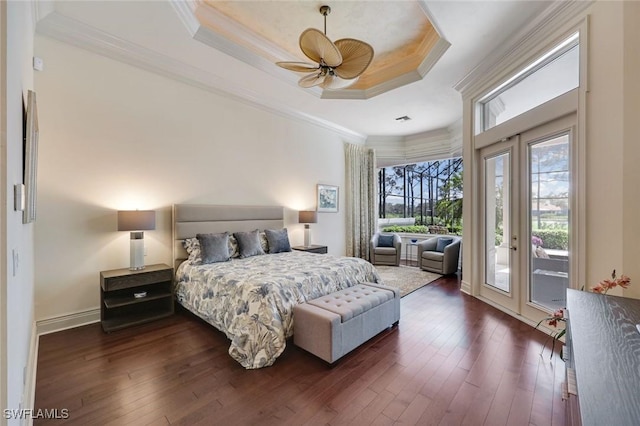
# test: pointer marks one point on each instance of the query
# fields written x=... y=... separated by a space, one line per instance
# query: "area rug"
x=406 y=278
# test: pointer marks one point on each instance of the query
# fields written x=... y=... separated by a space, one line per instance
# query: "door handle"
x=514 y=248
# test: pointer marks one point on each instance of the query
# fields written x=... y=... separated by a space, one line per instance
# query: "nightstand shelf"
x=130 y=320
x=312 y=249
x=116 y=301
x=119 y=308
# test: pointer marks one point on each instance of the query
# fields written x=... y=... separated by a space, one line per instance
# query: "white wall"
x=631 y=156
x=117 y=137
x=604 y=122
x=17 y=238
x=613 y=152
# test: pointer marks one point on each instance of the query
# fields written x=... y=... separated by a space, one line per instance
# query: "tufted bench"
x=333 y=325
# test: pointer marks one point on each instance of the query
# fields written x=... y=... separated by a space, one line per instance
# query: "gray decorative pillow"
x=214 y=247
x=249 y=243
x=278 y=240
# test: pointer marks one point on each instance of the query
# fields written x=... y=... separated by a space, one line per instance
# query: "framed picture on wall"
x=30 y=159
x=327 y=198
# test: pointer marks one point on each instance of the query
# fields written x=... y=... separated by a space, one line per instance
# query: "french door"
x=500 y=182
x=526 y=213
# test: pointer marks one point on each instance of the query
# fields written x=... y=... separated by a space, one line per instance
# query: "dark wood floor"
x=452 y=360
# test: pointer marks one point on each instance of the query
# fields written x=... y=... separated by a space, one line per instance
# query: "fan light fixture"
x=337 y=65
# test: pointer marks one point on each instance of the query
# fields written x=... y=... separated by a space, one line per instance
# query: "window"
x=551 y=75
x=425 y=193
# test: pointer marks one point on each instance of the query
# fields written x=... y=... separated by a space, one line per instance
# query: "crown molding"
x=244 y=37
x=185 y=9
x=40 y=9
x=434 y=23
x=78 y=34
x=221 y=43
x=434 y=56
x=501 y=61
x=220 y=24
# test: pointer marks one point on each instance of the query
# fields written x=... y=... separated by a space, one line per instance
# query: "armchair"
x=439 y=254
x=386 y=250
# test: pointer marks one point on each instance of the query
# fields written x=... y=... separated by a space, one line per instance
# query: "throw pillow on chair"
x=385 y=241
x=442 y=243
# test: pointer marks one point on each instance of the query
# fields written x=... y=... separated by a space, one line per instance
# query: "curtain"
x=360 y=198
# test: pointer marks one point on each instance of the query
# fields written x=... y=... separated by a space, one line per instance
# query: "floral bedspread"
x=251 y=300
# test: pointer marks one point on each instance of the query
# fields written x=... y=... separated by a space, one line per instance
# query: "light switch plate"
x=18 y=197
x=38 y=63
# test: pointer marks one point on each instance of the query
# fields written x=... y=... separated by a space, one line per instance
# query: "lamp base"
x=307 y=235
x=137 y=251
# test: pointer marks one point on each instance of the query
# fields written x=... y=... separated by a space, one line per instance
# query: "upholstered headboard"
x=191 y=219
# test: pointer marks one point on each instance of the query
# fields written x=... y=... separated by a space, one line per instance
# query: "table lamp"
x=136 y=221
x=307 y=217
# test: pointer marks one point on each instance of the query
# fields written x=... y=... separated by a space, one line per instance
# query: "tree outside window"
x=430 y=192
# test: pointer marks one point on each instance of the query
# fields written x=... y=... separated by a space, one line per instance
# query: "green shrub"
x=498 y=239
x=555 y=239
x=456 y=229
x=416 y=229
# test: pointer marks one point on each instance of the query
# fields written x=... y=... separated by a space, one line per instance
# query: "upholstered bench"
x=333 y=325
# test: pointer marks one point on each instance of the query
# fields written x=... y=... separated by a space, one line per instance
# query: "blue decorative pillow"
x=214 y=247
x=249 y=243
x=385 y=240
x=442 y=243
x=278 y=240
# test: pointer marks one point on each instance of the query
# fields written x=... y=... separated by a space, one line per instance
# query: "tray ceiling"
x=271 y=30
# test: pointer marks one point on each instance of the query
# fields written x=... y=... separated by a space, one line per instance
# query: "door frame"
x=509 y=300
x=516 y=302
x=558 y=127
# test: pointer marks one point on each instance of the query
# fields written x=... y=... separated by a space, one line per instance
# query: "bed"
x=251 y=299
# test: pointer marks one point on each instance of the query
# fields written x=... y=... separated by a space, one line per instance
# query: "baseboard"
x=465 y=287
x=29 y=392
x=64 y=322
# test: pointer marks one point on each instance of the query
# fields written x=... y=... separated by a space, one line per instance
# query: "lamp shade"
x=307 y=217
x=136 y=220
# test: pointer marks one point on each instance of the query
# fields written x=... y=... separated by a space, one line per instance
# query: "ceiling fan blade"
x=312 y=80
x=317 y=47
x=334 y=83
x=298 y=66
x=356 y=57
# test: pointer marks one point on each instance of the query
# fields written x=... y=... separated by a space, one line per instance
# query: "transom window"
x=553 y=74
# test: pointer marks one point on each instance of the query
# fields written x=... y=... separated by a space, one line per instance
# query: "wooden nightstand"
x=119 y=306
x=312 y=249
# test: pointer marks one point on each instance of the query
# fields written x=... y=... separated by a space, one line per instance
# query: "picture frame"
x=30 y=159
x=328 y=197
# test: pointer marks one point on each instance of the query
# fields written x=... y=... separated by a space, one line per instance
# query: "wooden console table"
x=603 y=359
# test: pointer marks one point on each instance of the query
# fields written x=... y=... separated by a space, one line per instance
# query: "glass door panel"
x=496 y=189
x=549 y=213
x=500 y=223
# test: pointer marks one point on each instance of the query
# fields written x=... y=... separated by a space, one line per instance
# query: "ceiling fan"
x=337 y=65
